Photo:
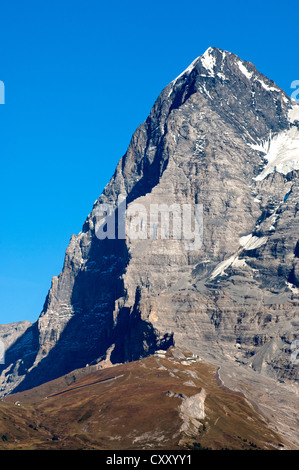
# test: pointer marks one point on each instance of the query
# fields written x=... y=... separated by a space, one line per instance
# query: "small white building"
x=160 y=353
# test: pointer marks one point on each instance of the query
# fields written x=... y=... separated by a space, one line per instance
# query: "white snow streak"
x=208 y=61
x=248 y=242
x=281 y=150
x=244 y=70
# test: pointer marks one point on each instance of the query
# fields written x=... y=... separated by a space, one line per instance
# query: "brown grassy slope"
x=129 y=406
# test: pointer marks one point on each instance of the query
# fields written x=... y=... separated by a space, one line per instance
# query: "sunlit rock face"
x=221 y=139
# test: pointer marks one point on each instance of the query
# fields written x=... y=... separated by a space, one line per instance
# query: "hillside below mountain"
x=172 y=402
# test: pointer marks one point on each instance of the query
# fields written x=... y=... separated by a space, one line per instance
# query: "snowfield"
x=281 y=150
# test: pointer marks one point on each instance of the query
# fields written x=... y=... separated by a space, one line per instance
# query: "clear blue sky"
x=80 y=76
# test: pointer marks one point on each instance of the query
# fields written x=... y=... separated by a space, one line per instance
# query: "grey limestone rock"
x=222 y=135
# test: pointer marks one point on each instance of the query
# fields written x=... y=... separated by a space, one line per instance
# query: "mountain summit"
x=221 y=139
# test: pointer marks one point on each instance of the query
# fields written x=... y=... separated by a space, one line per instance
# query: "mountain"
x=220 y=149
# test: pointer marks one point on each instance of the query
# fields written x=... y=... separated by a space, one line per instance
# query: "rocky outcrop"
x=223 y=137
x=10 y=332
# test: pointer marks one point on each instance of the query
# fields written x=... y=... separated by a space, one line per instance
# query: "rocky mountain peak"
x=223 y=136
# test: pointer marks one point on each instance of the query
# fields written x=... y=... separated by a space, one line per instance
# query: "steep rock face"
x=10 y=332
x=221 y=135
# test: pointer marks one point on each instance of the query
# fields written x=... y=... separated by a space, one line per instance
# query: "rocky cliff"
x=221 y=137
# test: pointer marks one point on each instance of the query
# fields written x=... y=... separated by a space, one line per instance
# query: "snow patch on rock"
x=208 y=61
x=244 y=70
x=281 y=150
